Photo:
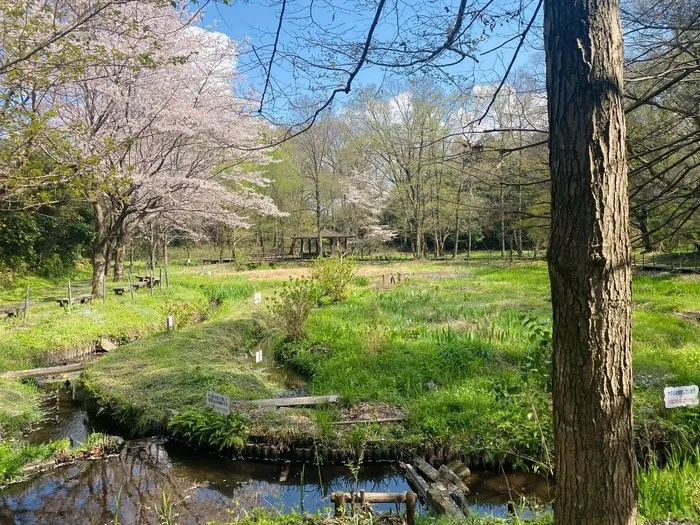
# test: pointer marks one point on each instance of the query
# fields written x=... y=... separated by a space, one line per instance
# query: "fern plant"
x=208 y=428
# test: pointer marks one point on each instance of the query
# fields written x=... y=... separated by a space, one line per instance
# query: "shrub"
x=291 y=307
x=333 y=276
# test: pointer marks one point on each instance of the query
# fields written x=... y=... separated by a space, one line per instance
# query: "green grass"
x=140 y=382
x=449 y=345
x=52 y=330
x=19 y=407
x=671 y=491
x=14 y=456
x=262 y=516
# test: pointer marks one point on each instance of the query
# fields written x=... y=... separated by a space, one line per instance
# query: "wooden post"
x=167 y=281
x=26 y=306
x=169 y=323
x=410 y=508
x=131 y=286
x=339 y=503
x=70 y=296
x=104 y=289
x=150 y=284
x=160 y=281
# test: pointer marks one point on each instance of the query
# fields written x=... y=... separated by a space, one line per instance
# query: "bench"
x=13 y=311
x=121 y=290
x=82 y=299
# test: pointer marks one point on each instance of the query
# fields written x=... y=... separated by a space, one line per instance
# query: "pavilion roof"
x=326 y=234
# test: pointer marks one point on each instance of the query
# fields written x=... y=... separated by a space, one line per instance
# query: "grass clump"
x=209 y=429
x=14 y=456
x=672 y=490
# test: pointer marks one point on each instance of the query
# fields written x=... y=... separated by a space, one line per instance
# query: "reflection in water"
x=201 y=487
x=64 y=417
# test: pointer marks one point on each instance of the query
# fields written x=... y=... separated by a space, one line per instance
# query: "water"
x=203 y=487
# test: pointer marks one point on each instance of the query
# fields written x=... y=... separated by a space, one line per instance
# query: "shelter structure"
x=309 y=247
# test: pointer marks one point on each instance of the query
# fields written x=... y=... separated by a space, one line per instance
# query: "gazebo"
x=309 y=243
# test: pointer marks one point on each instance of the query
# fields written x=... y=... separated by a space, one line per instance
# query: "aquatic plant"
x=207 y=428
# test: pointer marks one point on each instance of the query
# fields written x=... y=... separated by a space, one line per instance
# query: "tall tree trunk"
x=469 y=225
x=643 y=224
x=503 y=222
x=165 y=241
x=119 y=256
x=99 y=251
x=589 y=265
x=460 y=188
x=109 y=254
x=519 y=231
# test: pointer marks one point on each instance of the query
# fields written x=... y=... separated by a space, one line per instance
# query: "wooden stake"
x=410 y=508
x=104 y=289
x=167 y=281
x=151 y=283
x=70 y=296
x=131 y=286
x=26 y=306
x=160 y=281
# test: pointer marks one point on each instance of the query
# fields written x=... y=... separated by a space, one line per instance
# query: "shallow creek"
x=204 y=487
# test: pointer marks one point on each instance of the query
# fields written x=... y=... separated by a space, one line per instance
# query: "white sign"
x=219 y=403
x=681 y=396
x=258 y=297
x=258 y=356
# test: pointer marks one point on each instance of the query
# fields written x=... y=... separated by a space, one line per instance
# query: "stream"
x=203 y=487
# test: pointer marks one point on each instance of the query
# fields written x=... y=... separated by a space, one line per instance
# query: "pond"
x=203 y=487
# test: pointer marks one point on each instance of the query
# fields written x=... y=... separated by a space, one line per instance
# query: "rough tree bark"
x=589 y=265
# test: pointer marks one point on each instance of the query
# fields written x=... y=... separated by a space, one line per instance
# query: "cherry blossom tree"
x=160 y=130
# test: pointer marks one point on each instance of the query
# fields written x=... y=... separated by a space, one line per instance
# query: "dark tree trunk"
x=119 y=256
x=643 y=224
x=589 y=265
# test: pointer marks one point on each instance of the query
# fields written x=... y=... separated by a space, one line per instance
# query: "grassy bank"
x=461 y=351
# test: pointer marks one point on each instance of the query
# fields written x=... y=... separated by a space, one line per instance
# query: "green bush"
x=333 y=275
x=291 y=307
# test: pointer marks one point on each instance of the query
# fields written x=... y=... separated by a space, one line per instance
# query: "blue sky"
x=255 y=22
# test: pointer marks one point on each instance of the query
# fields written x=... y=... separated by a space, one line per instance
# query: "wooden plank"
x=292 y=401
x=450 y=478
x=416 y=481
x=460 y=500
x=375 y=497
x=426 y=469
x=37 y=372
x=441 y=503
x=381 y=420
